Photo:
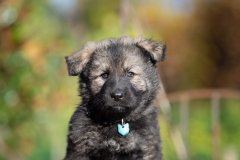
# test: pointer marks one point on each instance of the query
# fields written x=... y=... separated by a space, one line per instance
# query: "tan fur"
x=132 y=62
x=102 y=62
x=97 y=84
x=139 y=82
x=100 y=66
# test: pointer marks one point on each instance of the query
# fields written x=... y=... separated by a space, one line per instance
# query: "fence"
x=180 y=136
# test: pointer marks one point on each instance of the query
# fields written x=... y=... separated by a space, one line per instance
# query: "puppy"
x=118 y=83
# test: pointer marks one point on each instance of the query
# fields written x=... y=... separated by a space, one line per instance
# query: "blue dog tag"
x=123 y=129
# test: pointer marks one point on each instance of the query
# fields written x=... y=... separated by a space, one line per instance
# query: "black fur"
x=93 y=131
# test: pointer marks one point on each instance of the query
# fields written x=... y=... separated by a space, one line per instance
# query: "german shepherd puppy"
x=118 y=83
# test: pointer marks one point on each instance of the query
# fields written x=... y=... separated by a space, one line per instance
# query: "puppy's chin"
x=111 y=113
x=117 y=112
x=120 y=109
x=103 y=108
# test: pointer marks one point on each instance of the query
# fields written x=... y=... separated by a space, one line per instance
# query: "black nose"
x=117 y=96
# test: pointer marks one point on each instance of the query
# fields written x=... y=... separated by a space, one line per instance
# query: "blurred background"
x=200 y=98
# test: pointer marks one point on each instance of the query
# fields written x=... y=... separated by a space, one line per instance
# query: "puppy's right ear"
x=156 y=50
x=77 y=61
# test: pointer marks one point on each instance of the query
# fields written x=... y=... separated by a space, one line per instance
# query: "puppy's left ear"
x=156 y=50
x=77 y=61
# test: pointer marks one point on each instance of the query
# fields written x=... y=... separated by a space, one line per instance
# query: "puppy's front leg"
x=152 y=152
x=151 y=145
x=83 y=146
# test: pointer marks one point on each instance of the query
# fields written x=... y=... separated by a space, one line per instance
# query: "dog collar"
x=123 y=128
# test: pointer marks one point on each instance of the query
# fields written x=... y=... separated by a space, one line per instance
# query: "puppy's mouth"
x=118 y=108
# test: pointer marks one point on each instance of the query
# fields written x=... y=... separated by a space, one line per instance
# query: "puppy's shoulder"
x=81 y=122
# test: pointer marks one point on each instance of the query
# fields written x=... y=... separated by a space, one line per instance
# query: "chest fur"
x=113 y=141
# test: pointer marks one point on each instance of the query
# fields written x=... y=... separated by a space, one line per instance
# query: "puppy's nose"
x=117 y=96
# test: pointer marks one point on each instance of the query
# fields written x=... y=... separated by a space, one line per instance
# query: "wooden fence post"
x=184 y=123
x=215 y=125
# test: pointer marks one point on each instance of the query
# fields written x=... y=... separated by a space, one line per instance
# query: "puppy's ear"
x=77 y=61
x=155 y=50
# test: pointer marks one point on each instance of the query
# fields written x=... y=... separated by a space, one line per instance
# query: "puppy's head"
x=118 y=74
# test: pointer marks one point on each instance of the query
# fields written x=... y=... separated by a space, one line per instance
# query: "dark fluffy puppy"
x=118 y=81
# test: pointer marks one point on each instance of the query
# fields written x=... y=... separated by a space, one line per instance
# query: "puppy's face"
x=120 y=73
x=118 y=78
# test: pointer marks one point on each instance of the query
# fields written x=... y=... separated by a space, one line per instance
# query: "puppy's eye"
x=130 y=74
x=104 y=75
